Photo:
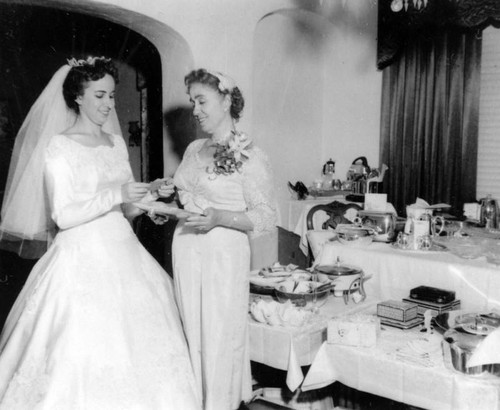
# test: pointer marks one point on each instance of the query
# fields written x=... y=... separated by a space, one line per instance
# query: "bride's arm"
x=70 y=208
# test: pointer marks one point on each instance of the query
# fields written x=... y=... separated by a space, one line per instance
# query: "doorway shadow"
x=157 y=239
x=182 y=128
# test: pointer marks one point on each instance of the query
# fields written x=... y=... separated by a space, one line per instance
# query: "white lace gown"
x=96 y=326
x=211 y=272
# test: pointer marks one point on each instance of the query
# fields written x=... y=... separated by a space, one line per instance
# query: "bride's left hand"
x=205 y=222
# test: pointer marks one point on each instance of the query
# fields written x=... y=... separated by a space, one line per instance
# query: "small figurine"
x=427 y=322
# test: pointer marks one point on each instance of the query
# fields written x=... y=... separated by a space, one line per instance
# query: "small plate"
x=162 y=208
x=481 y=329
x=263 y=286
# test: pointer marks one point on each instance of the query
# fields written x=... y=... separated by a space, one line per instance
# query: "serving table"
x=289 y=348
x=378 y=370
x=393 y=272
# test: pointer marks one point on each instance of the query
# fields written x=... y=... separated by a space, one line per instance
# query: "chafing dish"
x=348 y=280
x=462 y=333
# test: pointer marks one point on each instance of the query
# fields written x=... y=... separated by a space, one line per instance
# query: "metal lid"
x=338 y=269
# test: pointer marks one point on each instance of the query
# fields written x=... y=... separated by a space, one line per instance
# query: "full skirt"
x=96 y=327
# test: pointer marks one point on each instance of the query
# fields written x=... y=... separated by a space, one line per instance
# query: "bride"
x=96 y=325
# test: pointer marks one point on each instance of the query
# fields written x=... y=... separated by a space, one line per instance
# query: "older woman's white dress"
x=96 y=326
x=211 y=272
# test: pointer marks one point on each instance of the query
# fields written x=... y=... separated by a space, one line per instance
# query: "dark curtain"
x=430 y=99
x=429 y=124
x=395 y=29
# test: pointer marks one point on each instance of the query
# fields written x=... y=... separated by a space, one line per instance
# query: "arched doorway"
x=34 y=42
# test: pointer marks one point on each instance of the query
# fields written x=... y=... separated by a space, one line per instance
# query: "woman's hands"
x=204 y=223
x=219 y=217
x=164 y=186
x=134 y=191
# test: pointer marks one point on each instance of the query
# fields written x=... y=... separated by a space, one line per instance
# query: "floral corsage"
x=230 y=156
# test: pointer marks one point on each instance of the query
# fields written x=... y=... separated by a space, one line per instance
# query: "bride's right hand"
x=134 y=191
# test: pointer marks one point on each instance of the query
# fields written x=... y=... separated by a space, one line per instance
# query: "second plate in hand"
x=161 y=208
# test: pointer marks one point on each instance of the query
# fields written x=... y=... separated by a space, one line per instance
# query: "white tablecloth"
x=377 y=370
x=289 y=348
x=395 y=272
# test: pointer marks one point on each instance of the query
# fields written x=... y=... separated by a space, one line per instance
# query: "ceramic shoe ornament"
x=300 y=189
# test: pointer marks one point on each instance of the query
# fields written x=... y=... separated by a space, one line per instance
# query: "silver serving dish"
x=311 y=298
x=355 y=235
x=462 y=333
x=346 y=278
x=385 y=224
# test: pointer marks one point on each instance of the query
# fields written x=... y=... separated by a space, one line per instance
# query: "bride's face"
x=98 y=99
x=210 y=108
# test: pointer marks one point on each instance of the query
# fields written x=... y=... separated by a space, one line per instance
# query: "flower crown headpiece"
x=89 y=61
x=225 y=83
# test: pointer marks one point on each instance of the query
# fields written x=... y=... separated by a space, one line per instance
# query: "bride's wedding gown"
x=96 y=325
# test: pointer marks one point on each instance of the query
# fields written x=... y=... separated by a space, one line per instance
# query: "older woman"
x=227 y=180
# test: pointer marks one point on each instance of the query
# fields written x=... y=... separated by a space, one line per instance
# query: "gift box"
x=397 y=310
x=354 y=330
x=435 y=308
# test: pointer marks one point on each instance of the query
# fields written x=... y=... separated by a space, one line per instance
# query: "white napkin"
x=278 y=314
x=422 y=204
x=294 y=375
x=488 y=352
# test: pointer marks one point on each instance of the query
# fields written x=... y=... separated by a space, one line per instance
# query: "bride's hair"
x=83 y=71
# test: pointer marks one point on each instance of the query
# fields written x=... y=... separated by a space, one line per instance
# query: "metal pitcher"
x=489 y=212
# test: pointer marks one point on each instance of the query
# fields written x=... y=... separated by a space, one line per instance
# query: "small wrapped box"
x=397 y=310
x=472 y=211
x=354 y=330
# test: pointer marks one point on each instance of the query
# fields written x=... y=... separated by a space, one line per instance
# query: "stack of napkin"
x=278 y=314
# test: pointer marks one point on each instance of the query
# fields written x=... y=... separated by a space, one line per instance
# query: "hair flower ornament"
x=226 y=84
x=230 y=156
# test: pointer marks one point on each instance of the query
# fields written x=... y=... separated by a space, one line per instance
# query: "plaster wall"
x=306 y=68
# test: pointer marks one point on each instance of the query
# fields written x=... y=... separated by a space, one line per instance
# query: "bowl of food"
x=355 y=235
x=305 y=294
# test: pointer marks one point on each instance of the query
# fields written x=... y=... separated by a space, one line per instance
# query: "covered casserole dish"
x=347 y=279
x=463 y=332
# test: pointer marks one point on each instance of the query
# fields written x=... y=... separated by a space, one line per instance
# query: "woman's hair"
x=83 y=71
x=220 y=83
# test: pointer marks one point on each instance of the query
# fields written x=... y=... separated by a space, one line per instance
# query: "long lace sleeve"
x=258 y=190
x=70 y=208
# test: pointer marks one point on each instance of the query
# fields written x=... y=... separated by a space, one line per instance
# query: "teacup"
x=403 y=240
x=424 y=242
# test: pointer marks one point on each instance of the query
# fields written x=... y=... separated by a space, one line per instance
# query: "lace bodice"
x=250 y=190
x=84 y=182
